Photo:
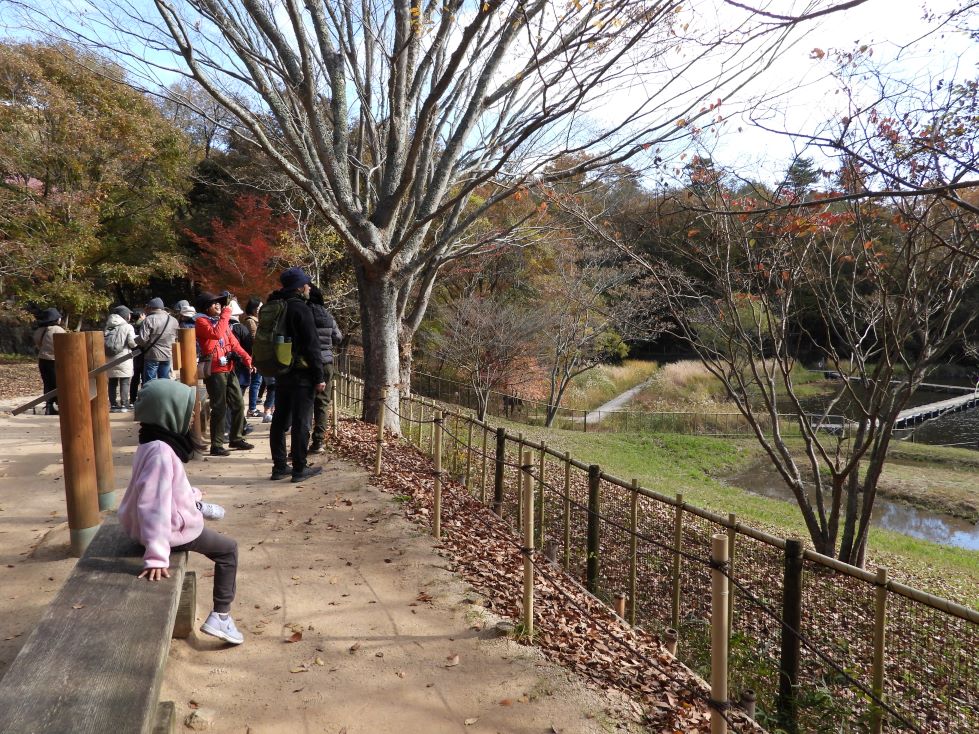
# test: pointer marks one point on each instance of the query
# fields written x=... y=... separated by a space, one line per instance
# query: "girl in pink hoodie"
x=163 y=512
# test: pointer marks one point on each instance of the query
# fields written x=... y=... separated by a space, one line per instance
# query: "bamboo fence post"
x=380 y=431
x=528 y=551
x=520 y=449
x=786 y=704
x=732 y=535
x=431 y=434
x=77 y=445
x=877 y=668
x=718 y=634
x=619 y=604
x=101 y=430
x=633 y=548
x=567 y=509
x=469 y=457
x=677 y=545
x=498 y=471
x=482 y=481
x=411 y=421
x=594 y=527
x=334 y=408
x=437 y=509
x=540 y=494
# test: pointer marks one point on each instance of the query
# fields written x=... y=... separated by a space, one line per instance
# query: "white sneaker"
x=224 y=628
x=267 y=418
x=210 y=511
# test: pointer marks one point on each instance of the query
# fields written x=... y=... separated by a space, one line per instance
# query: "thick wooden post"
x=677 y=546
x=786 y=704
x=101 y=430
x=528 y=540
x=498 y=471
x=594 y=527
x=877 y=668
x=718 y=634
x=334 y=408
x=176 y=357
x=380 y=431
x=77 y=444
x=437 y=509
x=567 y=509
x=187 y=339
x=633 y=549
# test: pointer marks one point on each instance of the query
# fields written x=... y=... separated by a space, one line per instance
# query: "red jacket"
x=217 y=340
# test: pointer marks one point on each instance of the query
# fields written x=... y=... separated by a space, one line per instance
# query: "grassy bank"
x=693 y=465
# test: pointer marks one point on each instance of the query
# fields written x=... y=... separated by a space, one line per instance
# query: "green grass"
x=675 y=463
x=8 y=358
x=599 y=385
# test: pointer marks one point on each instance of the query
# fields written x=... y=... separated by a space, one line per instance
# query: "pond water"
x=888 y=515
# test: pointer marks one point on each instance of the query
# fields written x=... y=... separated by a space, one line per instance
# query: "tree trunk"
x=405 y=357
x=379 y=329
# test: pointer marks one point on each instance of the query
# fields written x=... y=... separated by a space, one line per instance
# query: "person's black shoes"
x=280 y=472
x=219 y=451
x=241 y=445
x=316 y=447
x=306 y=473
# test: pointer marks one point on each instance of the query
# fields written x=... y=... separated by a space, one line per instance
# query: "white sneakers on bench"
x=222 y=627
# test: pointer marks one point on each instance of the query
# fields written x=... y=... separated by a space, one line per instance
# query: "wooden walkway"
x=913 y=416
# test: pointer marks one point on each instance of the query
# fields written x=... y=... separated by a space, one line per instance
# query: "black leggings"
x=49 y=381
x=224 y=552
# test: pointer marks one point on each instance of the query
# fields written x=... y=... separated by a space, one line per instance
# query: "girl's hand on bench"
x=154 y=574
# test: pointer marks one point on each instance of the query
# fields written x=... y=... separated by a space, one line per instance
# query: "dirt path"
x=391 y=641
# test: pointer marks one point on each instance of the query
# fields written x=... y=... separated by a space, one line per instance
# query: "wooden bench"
x=95 y=661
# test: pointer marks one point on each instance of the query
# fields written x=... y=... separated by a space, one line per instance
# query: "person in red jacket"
x=217 y=344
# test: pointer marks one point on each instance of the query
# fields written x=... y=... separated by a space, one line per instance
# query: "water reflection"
x=888 y=515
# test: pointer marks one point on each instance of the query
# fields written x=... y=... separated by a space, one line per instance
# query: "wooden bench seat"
x=95 y=661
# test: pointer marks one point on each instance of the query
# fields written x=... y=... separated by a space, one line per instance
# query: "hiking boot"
x=316 y=447
x=247 y=429
x=219 y=451
x=280 y=472
x=210 y=511
x=306 y=473
x=241 y=445
x=254 y=413
x=223 y=627
x=115 y=409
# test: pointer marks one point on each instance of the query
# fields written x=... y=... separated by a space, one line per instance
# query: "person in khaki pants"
x=329 y=336
x=217 y=343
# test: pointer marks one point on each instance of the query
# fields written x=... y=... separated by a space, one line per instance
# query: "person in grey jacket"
x=156 y=336
x=120 y=340
x=329 y=337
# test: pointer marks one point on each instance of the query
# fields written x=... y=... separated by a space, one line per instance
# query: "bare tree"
x=874 y=288
x=390 y=115
x=485 y=339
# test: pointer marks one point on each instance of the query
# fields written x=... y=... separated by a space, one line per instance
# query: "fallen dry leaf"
x=295 y=637
x=354 y=648
x=452 y=661
x=470 y=722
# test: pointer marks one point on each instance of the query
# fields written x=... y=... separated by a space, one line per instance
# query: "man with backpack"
x=329 y=335
x=156 y=336
x=120 y=340
x=216 y=343
x=287 y=347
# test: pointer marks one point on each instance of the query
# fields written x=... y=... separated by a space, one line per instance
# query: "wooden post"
x=594 y=527
x=567 y=509
x=175 y=357
x=528 y=539
x=411 y=422
x=633 y=548
x=469 y=456
x=101 y=430
x=498 y=471
x=718 y=633
x=519 y=482
x=482 y=481
x=786 y=704
x=670 y=637
x=540 y=494
x=77 y=445
x=334 y=408
x=437 y=509
x=732 y=535
x=618 y=604
x=431 y=435
x=187 y=339
x=380 y=431
x=877 y=668
x=677 y=545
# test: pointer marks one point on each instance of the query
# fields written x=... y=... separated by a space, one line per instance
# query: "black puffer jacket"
x=302 y=330
x=327 y=331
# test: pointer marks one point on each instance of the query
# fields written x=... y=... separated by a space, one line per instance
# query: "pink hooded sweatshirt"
x=159 y=509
